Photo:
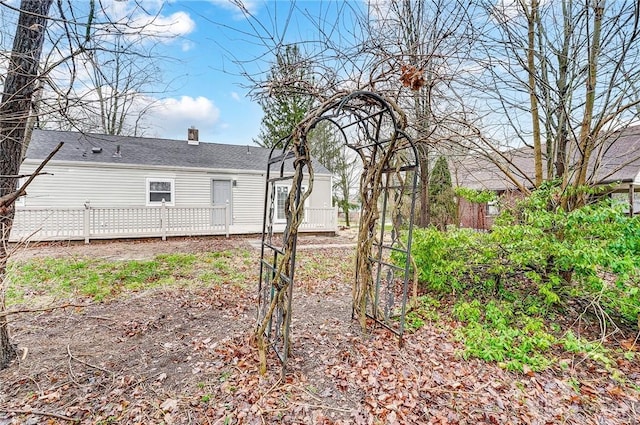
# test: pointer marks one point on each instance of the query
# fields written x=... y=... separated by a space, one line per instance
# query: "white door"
x=221 y=196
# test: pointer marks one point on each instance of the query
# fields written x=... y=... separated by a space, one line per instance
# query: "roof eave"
x=91 y=164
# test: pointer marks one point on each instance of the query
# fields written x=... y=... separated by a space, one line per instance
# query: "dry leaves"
x=412 y=77
x=183 y=356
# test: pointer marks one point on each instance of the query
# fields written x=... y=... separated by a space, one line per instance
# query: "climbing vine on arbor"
x=374 y=128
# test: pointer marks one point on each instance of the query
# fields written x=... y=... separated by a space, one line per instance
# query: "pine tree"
x=288 y=101
x=441 y=195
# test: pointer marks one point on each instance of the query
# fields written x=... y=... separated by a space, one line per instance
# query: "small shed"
x=105 y=186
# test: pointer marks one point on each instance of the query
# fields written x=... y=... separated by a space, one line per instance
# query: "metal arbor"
x=373 y=128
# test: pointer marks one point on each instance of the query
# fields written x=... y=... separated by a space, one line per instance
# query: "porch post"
x=86 y=221
x=163 y=220
x=227 y=218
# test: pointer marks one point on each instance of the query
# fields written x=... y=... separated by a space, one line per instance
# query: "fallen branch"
x=278 y=382
x=444 y=390
x=37 y=310
x=40 y=413
x=321 y=405
x=71 y=356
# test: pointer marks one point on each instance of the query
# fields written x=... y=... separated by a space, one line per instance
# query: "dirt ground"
x=183 y=356
x=140 y=249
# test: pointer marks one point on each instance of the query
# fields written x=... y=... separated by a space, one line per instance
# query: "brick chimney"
x=192 y=136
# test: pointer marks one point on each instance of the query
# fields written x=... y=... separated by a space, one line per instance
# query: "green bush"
x=495 y=332
x=535 y=260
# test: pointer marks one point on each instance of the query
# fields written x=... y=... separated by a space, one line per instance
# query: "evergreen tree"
x=288 y=100
x=331 y=152
x=441 y=195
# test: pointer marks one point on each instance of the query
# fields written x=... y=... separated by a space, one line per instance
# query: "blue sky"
x=203 y=41
x=203 y=73
x=207 y=83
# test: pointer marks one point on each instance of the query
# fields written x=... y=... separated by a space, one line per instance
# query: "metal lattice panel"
x=369 y=125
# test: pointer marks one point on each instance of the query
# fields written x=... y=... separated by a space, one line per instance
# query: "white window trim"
x=288 y=186
x=148 y=191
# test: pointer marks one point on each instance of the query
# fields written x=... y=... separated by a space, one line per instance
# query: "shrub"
x=536 y=259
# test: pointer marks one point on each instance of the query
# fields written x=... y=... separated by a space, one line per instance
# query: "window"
x=623 y=198
x=282 y=193
x=159 y=190
x=493 y=208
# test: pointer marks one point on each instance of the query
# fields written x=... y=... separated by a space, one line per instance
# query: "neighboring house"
x=616 y=163
x=101 y=186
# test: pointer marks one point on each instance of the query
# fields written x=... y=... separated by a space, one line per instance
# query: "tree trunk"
x=344 y=186
x=423 y=163
x=345 y=211
x=587 y=140
x=562 y=137
x=15 y=108
x=533 y=95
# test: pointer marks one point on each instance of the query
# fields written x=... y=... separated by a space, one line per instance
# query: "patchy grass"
x=99 y=279
x=181 y=354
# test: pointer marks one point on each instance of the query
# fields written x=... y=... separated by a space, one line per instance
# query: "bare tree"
x=17 y=95
x=410 y=51
x=426 y=45
x=66 y=31
x=564 y=75
x=111 y=89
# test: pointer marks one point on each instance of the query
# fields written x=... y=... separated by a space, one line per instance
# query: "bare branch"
x=10 y=198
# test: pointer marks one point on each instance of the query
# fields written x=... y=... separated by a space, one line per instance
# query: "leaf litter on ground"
x=183 y=355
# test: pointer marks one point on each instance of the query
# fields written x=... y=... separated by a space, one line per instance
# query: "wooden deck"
x=60 y=224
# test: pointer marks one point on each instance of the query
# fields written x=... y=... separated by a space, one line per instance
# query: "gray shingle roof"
x=79 y=147
x=618 y=160
x=620 y=157
x=481 y=173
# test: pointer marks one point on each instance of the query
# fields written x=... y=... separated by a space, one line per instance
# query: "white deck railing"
x=317 y=219
x=56 y=224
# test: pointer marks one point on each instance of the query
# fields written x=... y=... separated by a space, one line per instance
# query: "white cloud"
x=177 y=24
x=171 y=117
x=199 y=107
x=241 y=7
x=187 y=45
x=143 y=20
x=235 y=96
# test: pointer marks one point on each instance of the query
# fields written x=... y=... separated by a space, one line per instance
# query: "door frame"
x=230 y=181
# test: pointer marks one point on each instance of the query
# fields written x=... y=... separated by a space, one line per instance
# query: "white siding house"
x=101 y=186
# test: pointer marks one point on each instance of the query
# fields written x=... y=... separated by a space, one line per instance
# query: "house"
x=104 y=186
x=616 y=163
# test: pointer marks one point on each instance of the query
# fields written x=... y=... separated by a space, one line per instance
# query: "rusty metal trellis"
x=374 y=129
